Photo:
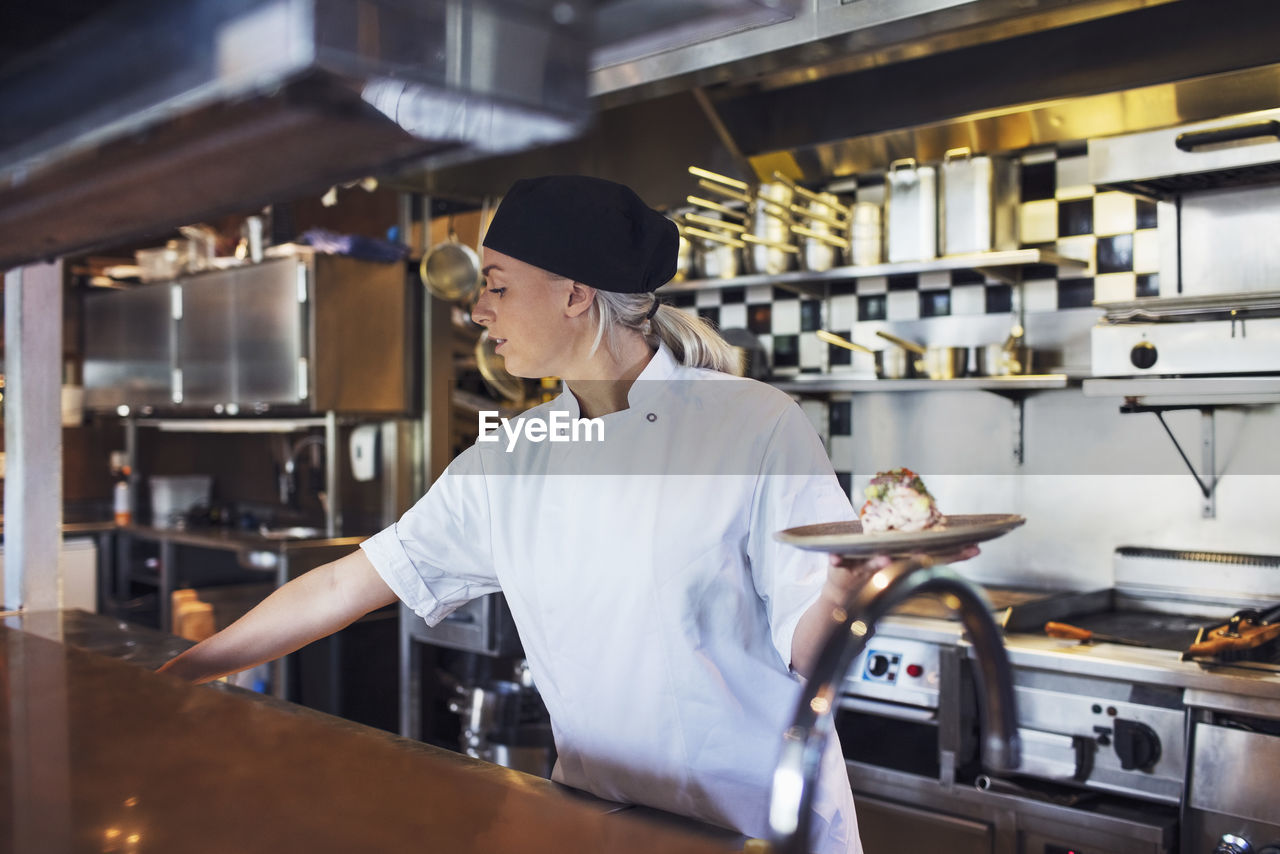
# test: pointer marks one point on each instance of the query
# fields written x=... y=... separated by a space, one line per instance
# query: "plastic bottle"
x=121 y=499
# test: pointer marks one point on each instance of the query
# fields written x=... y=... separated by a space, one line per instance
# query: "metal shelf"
x=1189 y=391
x=972 y=261
x=823 y=383
x=1014 y=388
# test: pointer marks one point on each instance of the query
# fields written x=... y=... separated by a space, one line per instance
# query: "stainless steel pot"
x=890 y=364
x=935 y=363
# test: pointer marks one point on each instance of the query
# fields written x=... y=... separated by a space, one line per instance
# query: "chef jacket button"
x=652 y=417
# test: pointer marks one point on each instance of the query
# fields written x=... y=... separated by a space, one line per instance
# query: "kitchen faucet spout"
x=804 y=741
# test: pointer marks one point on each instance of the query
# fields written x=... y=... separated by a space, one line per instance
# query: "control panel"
x=899 y=670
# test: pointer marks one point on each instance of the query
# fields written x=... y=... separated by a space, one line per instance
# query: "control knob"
x=878 y=665
x=1137 y=745
x=1143 y=355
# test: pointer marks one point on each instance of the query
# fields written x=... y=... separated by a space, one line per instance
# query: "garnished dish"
x=897 y=500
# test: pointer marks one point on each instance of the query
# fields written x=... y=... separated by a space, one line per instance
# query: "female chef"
x=664 y=624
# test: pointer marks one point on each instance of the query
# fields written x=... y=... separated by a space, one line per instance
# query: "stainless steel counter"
x=99 y=754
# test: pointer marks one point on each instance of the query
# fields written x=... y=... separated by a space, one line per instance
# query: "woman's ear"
x=580 y=298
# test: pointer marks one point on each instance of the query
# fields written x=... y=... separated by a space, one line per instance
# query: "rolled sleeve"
x=439 y=556
x=797 y=486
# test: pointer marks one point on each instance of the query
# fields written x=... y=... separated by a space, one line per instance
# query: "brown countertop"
x=98 y=754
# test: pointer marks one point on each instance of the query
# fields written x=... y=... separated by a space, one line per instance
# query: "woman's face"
x=528 y=314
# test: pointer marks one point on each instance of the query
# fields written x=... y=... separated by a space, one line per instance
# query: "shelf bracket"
x=1019 y=428
x=1209 y=482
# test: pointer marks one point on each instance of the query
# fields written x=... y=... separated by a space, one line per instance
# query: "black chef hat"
x=586 y=229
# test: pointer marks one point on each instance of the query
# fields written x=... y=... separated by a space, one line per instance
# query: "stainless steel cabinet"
x=304 y=332
x=128 y=347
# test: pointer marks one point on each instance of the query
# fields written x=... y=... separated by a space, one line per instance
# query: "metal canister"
x=911 y=203
x=979 y=203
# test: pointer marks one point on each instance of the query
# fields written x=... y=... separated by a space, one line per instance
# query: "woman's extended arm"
x=312 y=606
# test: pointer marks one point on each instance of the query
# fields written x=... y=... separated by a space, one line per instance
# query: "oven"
x=1127 y=747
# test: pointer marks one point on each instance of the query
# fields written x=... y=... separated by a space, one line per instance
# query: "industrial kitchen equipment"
x=1216 y=196
x=1124 y=748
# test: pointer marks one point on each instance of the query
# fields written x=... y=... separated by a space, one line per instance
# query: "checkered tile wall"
x=1115 y=233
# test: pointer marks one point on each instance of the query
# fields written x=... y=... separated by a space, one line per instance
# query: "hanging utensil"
x=451 y=270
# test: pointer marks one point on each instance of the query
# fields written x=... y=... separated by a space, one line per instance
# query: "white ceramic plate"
x=847 y=538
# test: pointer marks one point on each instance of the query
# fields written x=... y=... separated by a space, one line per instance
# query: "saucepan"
x=891 y=364
x=1002 y=360
x=819 y=236
x=768 y=232
x=936 y=363
x=717 y=254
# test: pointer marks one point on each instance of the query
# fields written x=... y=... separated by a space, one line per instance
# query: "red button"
x=914 y=670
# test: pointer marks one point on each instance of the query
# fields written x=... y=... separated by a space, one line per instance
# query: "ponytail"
x=693 y=341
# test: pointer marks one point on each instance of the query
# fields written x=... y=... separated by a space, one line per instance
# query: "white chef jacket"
x=654 y=605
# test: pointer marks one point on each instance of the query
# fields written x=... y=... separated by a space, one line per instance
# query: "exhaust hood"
x=151 y=114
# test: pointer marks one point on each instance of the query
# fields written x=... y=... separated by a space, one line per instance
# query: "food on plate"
x=898 y=501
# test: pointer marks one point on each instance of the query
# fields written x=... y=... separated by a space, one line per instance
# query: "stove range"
x=1106 y=726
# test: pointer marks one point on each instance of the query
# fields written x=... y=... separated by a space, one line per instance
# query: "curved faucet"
x=796 y=775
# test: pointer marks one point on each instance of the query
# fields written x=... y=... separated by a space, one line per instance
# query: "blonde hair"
x=692 y=340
